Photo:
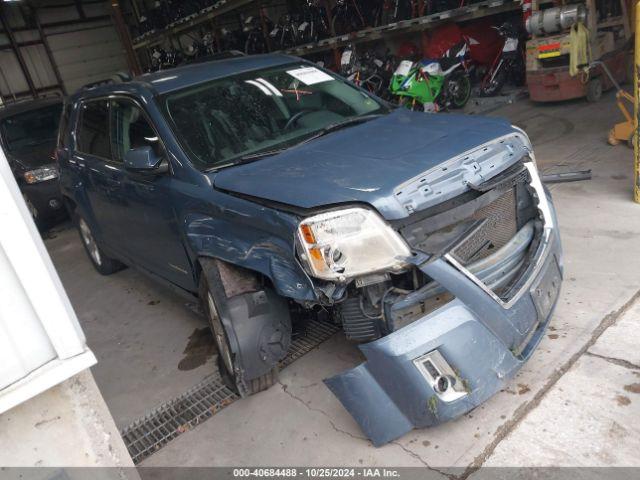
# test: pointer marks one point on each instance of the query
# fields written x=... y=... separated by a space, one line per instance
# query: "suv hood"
x=34 y=157
x=385 y=162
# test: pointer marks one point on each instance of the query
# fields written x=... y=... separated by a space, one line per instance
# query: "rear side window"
x=93 y=129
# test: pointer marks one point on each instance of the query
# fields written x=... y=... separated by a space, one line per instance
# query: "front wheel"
x=493 y=85
x=256 y=335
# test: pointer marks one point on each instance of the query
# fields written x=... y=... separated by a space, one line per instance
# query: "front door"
x=148 y=226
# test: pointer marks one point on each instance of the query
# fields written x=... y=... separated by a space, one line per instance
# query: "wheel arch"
x=246 y=250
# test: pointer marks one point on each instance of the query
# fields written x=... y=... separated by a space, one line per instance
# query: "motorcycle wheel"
x=459 y=90
x=493 y=87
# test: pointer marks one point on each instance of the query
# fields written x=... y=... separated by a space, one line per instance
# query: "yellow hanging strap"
x=579 y=52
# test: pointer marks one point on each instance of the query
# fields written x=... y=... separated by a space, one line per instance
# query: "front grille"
x=476 y=225
x=495 y=225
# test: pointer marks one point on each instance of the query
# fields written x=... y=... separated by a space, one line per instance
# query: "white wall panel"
x=41 y=342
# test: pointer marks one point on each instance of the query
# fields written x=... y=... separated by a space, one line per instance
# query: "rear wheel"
x=459 y=90
x=104 y=264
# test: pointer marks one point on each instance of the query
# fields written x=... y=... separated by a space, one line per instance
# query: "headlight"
x=347 y=243
x=41 y=174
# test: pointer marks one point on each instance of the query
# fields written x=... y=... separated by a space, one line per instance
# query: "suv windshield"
x=229 y=120
x=30 y=130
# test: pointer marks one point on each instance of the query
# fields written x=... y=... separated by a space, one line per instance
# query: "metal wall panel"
x=86 y=56
x=11 y=78
x=84 y=50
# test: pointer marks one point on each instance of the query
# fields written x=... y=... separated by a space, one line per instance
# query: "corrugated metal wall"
x=82 y=40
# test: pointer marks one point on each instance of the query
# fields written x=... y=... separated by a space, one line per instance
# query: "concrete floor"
x=581 y=387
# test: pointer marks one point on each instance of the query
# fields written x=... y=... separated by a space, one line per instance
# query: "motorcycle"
x=314 y=24
x=285 y=34
x=370 y=71
x=347 y=17
x=509 y=63
x=434 y=85
x=162 y=59
x=255 y=41
x=395 y=10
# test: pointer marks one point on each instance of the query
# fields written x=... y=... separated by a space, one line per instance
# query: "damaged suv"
x=276 y=191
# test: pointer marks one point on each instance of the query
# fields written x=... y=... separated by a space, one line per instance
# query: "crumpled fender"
x=251 y=248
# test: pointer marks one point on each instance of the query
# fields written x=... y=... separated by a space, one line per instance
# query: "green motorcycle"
x=434 y=85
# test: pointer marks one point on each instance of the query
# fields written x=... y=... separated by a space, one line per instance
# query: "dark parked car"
x=276 y=191
x=28 y=133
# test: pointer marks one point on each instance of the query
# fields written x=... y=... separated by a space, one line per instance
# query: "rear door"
x=101 y=172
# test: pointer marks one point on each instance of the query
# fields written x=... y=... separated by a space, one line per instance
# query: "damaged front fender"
x=253 y=249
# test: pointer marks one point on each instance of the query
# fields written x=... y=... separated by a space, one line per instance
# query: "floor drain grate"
x=150 y=433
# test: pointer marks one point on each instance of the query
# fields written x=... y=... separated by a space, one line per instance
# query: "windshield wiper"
x=246 y=159
x=333 y=127
x=323 y=131
x=258 y=155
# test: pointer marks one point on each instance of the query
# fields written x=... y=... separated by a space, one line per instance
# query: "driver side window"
x=130 y=129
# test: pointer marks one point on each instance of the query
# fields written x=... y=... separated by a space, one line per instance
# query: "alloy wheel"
x=89 y=241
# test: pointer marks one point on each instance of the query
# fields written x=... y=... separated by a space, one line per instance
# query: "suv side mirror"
x=144 y=160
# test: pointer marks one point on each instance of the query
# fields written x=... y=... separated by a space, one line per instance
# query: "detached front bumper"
x=477 y=341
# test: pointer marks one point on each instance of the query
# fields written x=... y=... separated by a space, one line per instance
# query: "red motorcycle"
x=508 y=64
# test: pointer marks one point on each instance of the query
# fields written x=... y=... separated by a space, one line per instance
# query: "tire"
x=594 y=90
x=461 y=85
x=33 y=210
x=104 y=264
x=226 y=360
x=495 y=86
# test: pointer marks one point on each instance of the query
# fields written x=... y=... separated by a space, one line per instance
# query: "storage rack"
x=222 y=7
x=470 y=12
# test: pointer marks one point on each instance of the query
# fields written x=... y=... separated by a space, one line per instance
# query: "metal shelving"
x=206 y=15
x=470 y=12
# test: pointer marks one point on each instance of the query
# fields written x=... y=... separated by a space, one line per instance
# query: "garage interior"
x=574 y=403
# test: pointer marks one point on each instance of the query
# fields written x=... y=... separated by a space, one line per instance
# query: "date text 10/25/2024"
x=320 y=472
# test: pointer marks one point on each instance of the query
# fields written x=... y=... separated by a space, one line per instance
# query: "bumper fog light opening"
x=440 y=376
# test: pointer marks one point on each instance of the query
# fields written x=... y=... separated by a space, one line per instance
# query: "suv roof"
x=8 y=110
x=180 y=77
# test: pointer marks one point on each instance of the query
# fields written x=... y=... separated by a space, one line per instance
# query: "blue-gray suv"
x=276 y=191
